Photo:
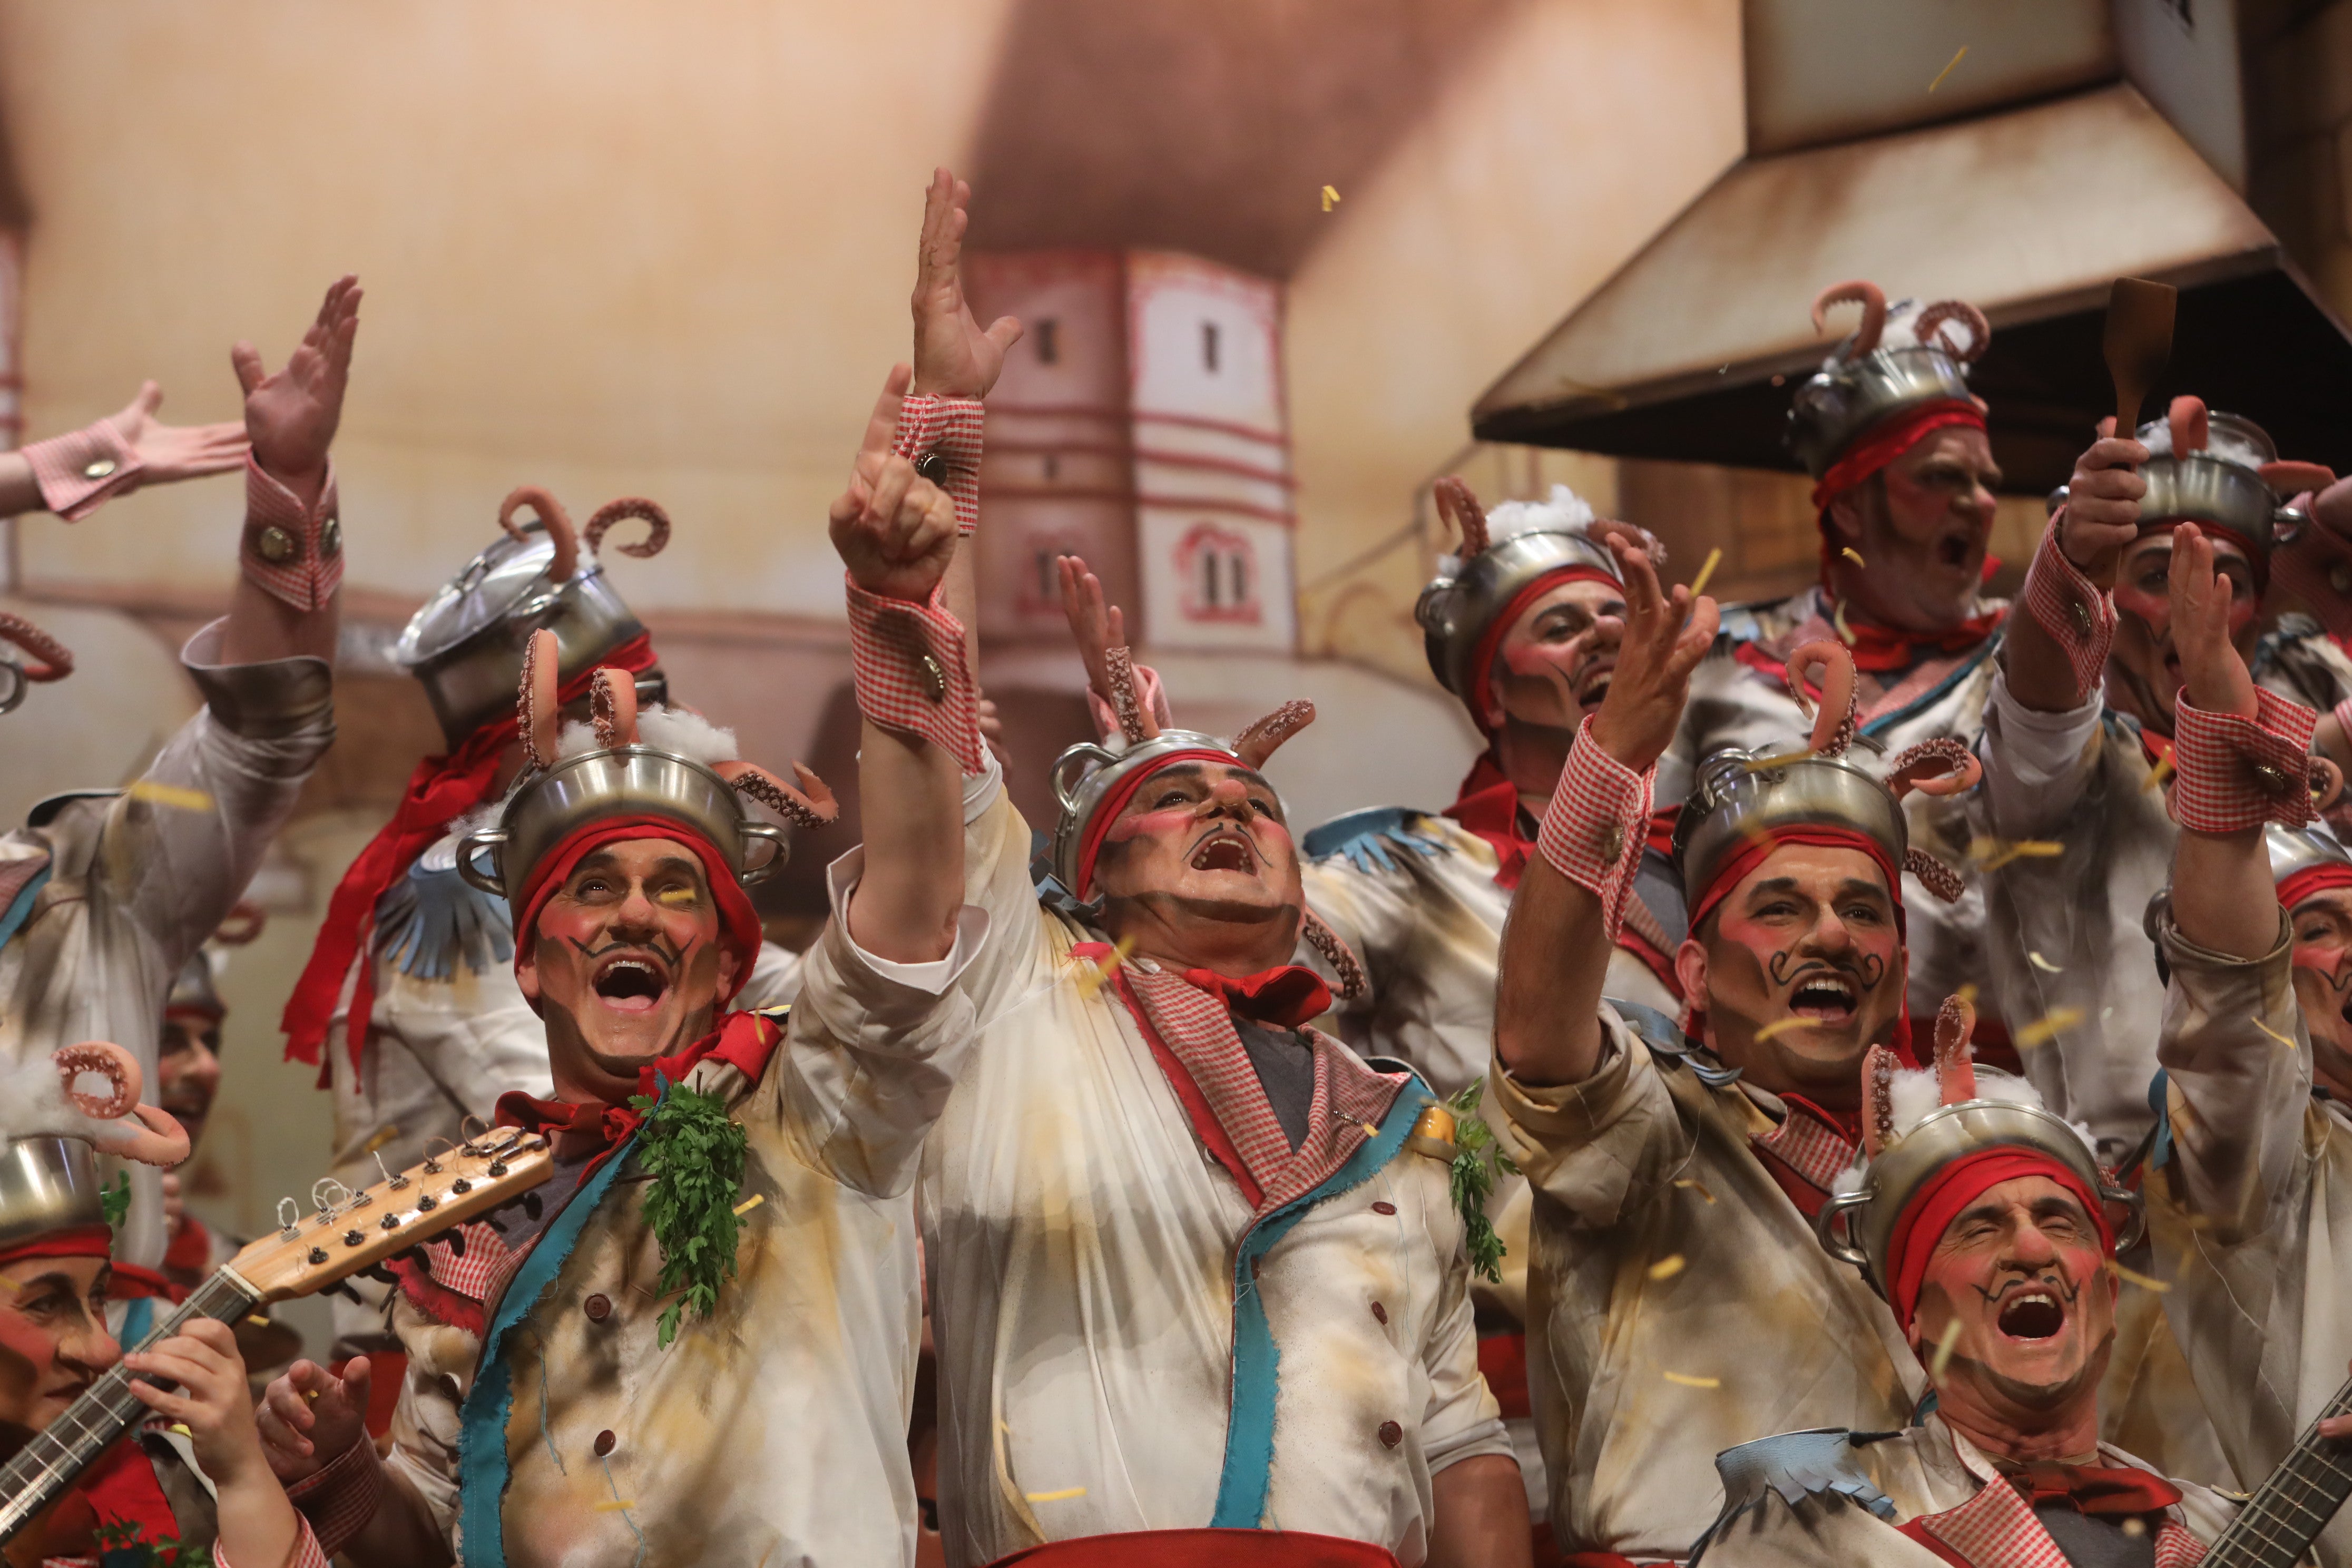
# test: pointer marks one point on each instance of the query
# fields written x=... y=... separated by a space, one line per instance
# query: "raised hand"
x=1665 y=637
x=2211 y=666
x=169 y=453
x=290 y=415
x=2102 y=503
x=309 y=1417
x=1096 y=625
x=953 y=356
x=894 y=529
x=212 y=1401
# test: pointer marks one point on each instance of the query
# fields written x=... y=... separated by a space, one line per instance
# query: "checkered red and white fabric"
x=1350 y=1098
x=2236 y=774
x=1594 y=828
x=2071 y=608
x=83 y=469
x=307 y=1552
x=907 y=665
x=1997 y=1529
x=1813 y=1150
x=339 y=1496
x=473 y=1272
x=952 y=428
x=307 y=541
x=2342 y=714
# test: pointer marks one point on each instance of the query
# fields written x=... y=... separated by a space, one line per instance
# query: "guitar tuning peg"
x=391 y=1183
x=289 y=1217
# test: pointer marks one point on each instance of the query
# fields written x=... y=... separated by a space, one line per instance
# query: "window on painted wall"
x=1047 y=336
x=1218 y=569
x=1209 y=347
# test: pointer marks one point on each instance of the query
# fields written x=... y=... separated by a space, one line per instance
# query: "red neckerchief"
x=2156 y=749
x=1286 y=997
x=743 y=1040
x=119 y=1489
x=2095 y=1490
x=1803 y=1190
x=1883 y=650
x=190 y=1251
x=1487 y=806
x=440 y=790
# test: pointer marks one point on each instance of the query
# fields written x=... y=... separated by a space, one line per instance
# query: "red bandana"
x=2094 y=1490
x=1116 y=802
x=1943 y=1196
x=1882 y=650
x=2313 y=879
x=1286 y=997
x=1487 y=806
x=744 y=1040
x=1479 y=679
x=1887 y=442
x=739 y=922
x=74 y=1241
x=439 y=792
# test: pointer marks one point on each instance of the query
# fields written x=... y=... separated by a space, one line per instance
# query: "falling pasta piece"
x=748 y=1205
x=1371 y=1128
x=259 y=1320
x=2047 y=1026
x=2043 y=964
x=618 y=1505
x=2134 y=1527
x=380 y=1140
x=1688 y=1381
x=2156 y=775
x=1091 y=976
x=178 y=797
x=1780 y=1026
x=1851 y=554
x=1706 y=571
x=2273 y=1033
x=1066 y=1492
x=1944 y=1343
x=1330 y=197
x=1667 y=1268
x=1946 y=70
x=1967 y=994
x=1697 y=1186
x=1778 y=760
x=2133 y=1276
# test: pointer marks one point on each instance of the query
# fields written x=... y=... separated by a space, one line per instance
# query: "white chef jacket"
x=137 y=880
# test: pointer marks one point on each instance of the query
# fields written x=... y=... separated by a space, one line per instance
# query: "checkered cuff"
x=81 y=471
x=341 y=1497
x=1594 y=828
x=2236 y=774
x=307 y=1552
x=908 y=665
x=288 y=553
x=949 y=428
x=2069 y=606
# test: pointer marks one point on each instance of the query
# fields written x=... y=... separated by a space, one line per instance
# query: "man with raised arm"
x=1988 y=1225
x=104 y=894
x=1198 y=1287
x=1677 y=1299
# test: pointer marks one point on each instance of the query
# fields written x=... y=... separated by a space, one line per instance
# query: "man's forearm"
x=910 y=801
x=1481 y=1509
x=2222 y=896
x=1555 y=965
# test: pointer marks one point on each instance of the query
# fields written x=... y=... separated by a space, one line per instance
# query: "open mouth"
x=631 y=982
x=1954 y=548
x=2032 y=1315
x=1594 y=685
x=1825 y=998
x=1226 y=852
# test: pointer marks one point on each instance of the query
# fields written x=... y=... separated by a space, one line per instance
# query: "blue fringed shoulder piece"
x=432 y=920
x=1371 y=839
x=1818 y=1462
x=1669 y=1045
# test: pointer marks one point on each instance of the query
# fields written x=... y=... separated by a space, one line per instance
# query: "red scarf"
x=440 y=790
x=1882 y=650
x=743 y=1040
x=2098 y=1491
x=1487 y=806
x=1287 y=997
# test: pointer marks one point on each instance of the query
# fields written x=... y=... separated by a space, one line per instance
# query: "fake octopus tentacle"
x=612 y=708
x=108 y=1061
x=1353 y=981
x=1258 y=742
x=1955 y=1065
x=536 y=707
x=1135 y=721
x=612 y=512
x=159 y=1140
x=1835 y=724
x=1872 y=299
x=1942 y=766
x=553 y=518
x=1877 y=1100
x=2289 y=478
x=811 y=805
x=2191 y=427
x=55 y=660
x=1458 y=504
x=1928 y=326
x=1934 y=875
x=1603 y=529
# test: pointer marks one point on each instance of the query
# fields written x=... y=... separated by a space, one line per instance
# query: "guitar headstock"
x=390 y=1216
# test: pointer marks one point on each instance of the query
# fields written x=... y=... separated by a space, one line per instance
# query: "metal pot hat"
x=1504 y=560
x=1916 y=1125
x=466 y=644
x=50 y=659
x=568 y=787
x=1900 y=358
x=55 y=1125
x=2222 y=472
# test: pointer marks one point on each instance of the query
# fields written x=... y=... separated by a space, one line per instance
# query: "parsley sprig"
x=1476 y=1161
x=694 y=1154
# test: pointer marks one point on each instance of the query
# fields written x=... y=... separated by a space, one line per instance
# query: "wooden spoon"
x=2138 y=342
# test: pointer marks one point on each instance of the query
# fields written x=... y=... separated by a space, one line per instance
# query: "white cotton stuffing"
x=1913 y=1093
x=665 y=730
x=33 y=1104
x=1564 y=512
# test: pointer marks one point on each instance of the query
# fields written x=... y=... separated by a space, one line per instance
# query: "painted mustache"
x=1787 y=968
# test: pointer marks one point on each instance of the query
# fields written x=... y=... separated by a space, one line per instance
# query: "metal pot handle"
x=782 y=852
x=13 y=685
x=2136 y=1215
x=1836 y=1204
x=1082 y=751
x=473 y=844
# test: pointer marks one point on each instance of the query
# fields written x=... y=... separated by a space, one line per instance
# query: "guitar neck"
x=2295 y=1503
x=58 y=1453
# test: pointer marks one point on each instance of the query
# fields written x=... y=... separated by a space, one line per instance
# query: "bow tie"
x=1285 y=997
x=2094 y=1490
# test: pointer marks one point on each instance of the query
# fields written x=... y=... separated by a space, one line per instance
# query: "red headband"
x=1116 y=802
x=1752 y=853
x=738 y=923
x=1482 y=657
x=74 y=1241
x=1890 y=440
x=2311 y=879
x=1940 y=1200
